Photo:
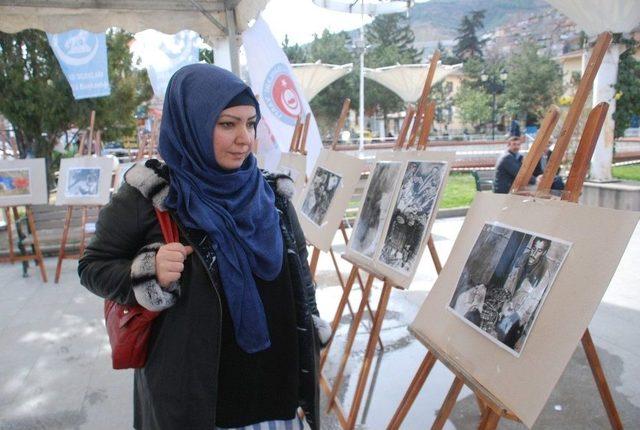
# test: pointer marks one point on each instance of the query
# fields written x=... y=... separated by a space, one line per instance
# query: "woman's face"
x=233 y=136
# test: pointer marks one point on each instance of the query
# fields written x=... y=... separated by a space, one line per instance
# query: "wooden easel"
x=420 y=131
x=62 y=253
x=36 y=251
x=492 y=409
x=147 y=147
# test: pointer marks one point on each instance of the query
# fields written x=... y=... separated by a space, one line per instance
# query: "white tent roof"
x=168 y=16
x=407 y=80
x=596 y=16
x=371 y=7
x=314 y=77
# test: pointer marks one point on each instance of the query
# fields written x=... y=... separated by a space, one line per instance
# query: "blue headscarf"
x=234 y=207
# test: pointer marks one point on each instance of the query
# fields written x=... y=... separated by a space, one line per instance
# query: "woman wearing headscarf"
x=235 y=343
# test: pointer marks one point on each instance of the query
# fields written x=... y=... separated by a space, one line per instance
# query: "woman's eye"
x=225 y=124
x=251 y=125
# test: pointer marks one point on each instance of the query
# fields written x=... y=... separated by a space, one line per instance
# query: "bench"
x=484 y=179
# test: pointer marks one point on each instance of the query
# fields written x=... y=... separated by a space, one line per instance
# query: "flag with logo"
x=279 y=93
x=163 y=54
x=83 y=58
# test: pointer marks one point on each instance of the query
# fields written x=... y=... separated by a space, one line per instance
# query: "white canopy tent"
x=214 y=20
x=594 y=17
x=314 y=77
x=406 y=79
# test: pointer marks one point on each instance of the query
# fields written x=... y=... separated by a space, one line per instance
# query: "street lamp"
x=495 y=84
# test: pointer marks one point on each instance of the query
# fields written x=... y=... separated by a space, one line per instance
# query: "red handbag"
x=129 y=327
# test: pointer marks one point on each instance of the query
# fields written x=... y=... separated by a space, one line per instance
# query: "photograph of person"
x=320 y=194
x=376 y=204
x=416 y=200
x=82 y=181
x=505 y=281
x=14 y=182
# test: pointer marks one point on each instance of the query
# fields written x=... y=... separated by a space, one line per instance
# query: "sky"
x=301 y=19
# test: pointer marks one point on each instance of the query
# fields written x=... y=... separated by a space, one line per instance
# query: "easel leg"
x=368 y=356
x=83 y=231
x=338 y=315
x=335 y=265
x=434 y=254
x=315 y=255
x=36 y=243
x=351 y=337
x=63 y=243
x=490 y=420
x=413 y=391
x=7 y=217
x=449 y=402
x=601 y=380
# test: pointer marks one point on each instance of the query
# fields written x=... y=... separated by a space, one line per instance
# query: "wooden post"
x=36 y=243
x=405 y=127
x=305 y=130
x=294 y=137
x=422 y=101
x=538 y=147
x=315 y=255
x=584 y=88
x=448 y=404
x=92 y=121
x=340 y=124
x=369 y=353
x=63 y=243
x=426 y=126
x=414 y=389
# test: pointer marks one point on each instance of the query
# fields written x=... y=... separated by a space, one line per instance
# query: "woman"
x=235 y=344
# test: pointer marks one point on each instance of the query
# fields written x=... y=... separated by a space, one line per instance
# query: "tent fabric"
x=371 y=7
x=167 y=16
x=596 y=16
x=406 y=80
x=314 y=77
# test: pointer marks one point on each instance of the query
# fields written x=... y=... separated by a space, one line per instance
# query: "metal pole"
x=493 y=115
x=362 y=42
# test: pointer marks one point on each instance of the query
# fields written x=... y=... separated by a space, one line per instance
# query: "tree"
x=628 y=89
x=534 y=82
x=474 y=105
x=37 y=99
x=391 y=42
x=468 y=45
x=295 y=53
x=331 y=48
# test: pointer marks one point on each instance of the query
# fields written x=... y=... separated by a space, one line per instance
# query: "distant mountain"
x=439 y=19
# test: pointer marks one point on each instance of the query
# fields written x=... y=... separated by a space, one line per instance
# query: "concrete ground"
x=55 y=368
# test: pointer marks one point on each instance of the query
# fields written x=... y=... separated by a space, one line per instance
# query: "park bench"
x=484 y=179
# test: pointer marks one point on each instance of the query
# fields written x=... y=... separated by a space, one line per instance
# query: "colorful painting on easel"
x=504 y=282
x=411 y=216
x=15 y=182
x=320 y=194
x=377 y=201
x=82 y=181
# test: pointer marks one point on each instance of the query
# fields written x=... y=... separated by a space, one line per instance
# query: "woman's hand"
x=170 y=262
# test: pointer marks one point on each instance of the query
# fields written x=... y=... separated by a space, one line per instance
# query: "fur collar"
x=151 y=178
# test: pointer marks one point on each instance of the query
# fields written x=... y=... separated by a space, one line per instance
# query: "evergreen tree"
x=628 y=89
x=391 y=42
x=468 y=45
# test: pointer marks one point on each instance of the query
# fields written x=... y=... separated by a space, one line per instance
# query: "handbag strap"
x=168 y=227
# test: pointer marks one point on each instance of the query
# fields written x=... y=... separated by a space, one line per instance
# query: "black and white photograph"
x=504 y=282
x=320 y=194
x=82 y=181
x=411 y=216
x=374 y=210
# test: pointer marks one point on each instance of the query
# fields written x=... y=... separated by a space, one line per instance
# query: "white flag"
x=279 y=93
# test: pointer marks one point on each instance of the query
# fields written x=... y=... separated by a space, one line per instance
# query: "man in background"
x=508 y=165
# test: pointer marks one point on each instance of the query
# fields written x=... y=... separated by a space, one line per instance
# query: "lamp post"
x=495 y=84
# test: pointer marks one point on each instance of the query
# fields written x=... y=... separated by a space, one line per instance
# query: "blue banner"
x=83 y=58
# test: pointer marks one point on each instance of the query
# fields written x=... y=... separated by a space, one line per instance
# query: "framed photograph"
x=23 y=182
x=84 y=181
x=517 y=292
x=377 y=201
x=294 y=166
x=396 y=214
x=505 y=281
x=323 y=201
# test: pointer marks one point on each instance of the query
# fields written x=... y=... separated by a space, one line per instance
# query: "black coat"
x=177 y=388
